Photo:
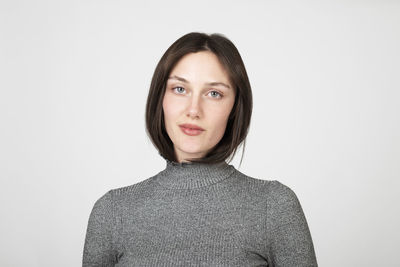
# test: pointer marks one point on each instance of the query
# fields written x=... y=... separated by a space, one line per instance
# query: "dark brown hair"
x=239 y=119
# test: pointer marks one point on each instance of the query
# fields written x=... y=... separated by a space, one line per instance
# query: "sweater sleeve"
x=98 y=247
x=289 y=241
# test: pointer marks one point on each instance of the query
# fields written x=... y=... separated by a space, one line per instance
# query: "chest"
x=193 y=233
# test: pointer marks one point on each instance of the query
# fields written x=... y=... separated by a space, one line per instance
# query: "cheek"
x=168 y=117
x=168 y=107
x=219 y=114
x=218 y=117
x=171 y=111
x=170 y=103
x=219 y=124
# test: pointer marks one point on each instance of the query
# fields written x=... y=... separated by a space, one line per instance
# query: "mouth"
x=191 y=126
x=191 y=131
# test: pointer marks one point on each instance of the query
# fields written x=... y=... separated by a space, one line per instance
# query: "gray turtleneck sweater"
x=193 y=214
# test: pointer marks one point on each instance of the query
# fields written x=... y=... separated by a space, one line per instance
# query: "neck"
x=190 y=175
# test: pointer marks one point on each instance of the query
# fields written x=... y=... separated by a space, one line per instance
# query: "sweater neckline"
x=190 y=175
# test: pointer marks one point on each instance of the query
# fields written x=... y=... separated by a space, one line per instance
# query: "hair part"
x=239 y=119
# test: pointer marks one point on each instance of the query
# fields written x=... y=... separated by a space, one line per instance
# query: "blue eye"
x=219 y=95
x=180 y=90
x=178 y=87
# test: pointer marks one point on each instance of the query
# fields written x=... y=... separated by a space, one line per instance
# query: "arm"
x=98 y=248
x=289 y=238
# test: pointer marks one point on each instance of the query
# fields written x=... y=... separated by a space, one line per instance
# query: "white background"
x=74 y=78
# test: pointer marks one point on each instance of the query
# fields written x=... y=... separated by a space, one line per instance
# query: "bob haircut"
x=239 y=119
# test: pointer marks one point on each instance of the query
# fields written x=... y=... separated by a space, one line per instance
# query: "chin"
x=191 y=149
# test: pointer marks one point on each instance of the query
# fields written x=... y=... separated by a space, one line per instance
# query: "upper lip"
x=191 y=126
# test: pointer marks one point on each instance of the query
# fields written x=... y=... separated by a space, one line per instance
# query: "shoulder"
x=281 y=202
x=275 y=193
x=282 y=199
x=136 y=190
x=273 y=190
x=283 y=207
x=104 y=201
x=279 y=193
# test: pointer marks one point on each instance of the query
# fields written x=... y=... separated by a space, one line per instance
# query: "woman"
x=199 y=211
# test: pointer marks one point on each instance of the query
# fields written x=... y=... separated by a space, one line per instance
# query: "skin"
x=197 y=102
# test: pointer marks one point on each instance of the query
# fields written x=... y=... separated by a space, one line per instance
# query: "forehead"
x=203 y=65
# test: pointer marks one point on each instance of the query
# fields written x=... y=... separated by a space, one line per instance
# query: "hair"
x=239 y=119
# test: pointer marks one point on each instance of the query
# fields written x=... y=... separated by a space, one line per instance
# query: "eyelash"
x=220 y=95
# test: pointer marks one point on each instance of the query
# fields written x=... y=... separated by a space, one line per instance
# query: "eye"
x=218 y=94
x=178 y=87
x=180 y=90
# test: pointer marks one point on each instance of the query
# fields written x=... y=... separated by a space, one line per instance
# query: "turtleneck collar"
x=189 y=175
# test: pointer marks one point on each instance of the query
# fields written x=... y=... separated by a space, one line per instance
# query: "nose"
x=194 y=109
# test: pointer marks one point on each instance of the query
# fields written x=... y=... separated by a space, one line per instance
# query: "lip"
x=191 y=126
x=190 y=132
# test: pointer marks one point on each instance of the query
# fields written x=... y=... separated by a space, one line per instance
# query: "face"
x=198 y=92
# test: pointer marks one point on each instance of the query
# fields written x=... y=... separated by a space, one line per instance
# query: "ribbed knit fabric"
x=196 y=214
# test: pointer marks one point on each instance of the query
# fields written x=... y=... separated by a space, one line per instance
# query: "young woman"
x=199 y=210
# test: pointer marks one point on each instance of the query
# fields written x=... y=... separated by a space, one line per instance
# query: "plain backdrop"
x=74 y=78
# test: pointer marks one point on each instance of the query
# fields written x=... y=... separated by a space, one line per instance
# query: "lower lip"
x=191 y=132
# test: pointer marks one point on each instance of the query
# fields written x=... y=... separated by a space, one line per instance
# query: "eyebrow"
x=210 y=83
